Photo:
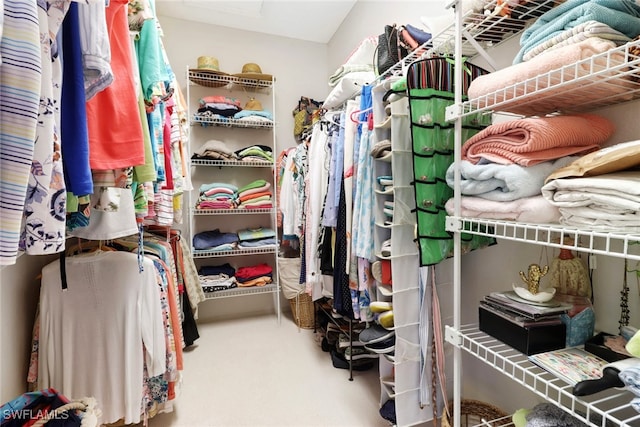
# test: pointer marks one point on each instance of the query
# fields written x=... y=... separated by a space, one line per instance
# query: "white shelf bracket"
x=453 y=224
x=452 y=112
x=452 y=336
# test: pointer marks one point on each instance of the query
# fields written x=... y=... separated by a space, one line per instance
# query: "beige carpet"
x=254 y=372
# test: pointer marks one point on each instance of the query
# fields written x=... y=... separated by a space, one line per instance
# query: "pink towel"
x=531 y=141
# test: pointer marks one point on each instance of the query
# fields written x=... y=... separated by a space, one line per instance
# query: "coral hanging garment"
x=115 y=130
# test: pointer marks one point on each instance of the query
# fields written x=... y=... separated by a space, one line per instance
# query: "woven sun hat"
x=253 y=105
x=208 y=64
x=253 y=71
x=204 y=74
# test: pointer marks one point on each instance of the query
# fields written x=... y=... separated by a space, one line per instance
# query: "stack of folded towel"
x=504 y=167
x=255 y=153
x=219 y=105
x=257 y=238
x=217 y=195
x=214 y=150
x=255 y=275
x=253 y=111
x=255 y=195
x=215 y=240
x=217 y=277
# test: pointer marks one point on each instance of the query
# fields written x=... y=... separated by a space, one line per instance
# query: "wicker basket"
x=473 y=412
x=302 y=308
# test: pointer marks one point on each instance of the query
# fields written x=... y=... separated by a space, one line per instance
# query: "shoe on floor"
x=340 y=362
x=388 y=411
x=386 y=319
x=375 y=333
x=358 y=353
x=380 y=306
x=344 y=341
x=382 y=347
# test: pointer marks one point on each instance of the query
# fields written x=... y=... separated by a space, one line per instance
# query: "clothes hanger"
x=356 y=120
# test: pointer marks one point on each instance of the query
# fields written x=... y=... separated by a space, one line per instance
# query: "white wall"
x=298 y=66
x=19 y=293
x=368 y=18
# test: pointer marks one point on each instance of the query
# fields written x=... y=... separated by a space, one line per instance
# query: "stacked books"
x=527 y=327
x=511 y=307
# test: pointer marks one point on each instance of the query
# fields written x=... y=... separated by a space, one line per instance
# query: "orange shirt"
x=115 y=130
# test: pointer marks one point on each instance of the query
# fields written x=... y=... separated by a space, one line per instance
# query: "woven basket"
x=473 y=412
x=303 y=310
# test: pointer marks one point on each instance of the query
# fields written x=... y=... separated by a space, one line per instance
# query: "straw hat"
x=253 y=105
x=253 y=71
x=207 y=66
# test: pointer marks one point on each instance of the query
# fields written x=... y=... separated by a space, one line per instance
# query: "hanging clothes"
x=20 y=81
x=101 y=287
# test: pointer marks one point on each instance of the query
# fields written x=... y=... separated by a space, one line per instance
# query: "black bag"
x=388 y=52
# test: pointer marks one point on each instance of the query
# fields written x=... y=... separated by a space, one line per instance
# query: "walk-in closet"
x=320 y=213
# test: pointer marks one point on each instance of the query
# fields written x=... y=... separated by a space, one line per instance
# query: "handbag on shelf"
x=389 y=51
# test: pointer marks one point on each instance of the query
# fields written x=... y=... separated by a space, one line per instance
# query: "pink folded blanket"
x=531 y=141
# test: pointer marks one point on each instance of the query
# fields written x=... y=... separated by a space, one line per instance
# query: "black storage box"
x=528 y=340
x=595 y=345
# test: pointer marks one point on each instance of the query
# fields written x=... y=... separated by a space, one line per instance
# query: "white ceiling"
x=309 y=20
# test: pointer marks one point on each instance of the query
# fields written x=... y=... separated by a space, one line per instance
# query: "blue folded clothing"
x=212 y=239
x=417 y=34
x=621 y=15
x=212 y=270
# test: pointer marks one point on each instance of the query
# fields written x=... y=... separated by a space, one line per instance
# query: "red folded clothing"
x=254 y=271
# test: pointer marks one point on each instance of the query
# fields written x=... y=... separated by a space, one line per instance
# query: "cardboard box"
x=528 y=340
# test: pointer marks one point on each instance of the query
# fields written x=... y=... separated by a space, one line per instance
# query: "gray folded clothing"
x=381 y=148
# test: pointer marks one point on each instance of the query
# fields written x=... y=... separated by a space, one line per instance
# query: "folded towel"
x=504 y=87
x=503 y=183
x=253 y=184
x=621 y=15
x=206 y=187
x=265 y=195
x=264 y=188
x=215 y=145
x=535 y=140
x=576 y=35
x=530 y=209
x=609 y=200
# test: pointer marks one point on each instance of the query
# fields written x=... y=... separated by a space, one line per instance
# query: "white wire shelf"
x=615 y=243
x=206 y=79
x=232 y=123
x=608 y=78
x=196 y=211
x=611 y=406
x=233 y=163
x=199 y=253
x=270 y=288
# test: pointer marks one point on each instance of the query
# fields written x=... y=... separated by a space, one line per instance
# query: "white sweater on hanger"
x=92 y=334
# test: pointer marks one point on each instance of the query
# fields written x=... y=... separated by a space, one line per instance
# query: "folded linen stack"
x=215 y=240
x=255 y=153
x=217 y=195
x=257 y=238
x=214 y=150
x=255 y=195
x=217 y=277
x=504 y=167
x=253 y=111
x=219 y=105
x=255 y=275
